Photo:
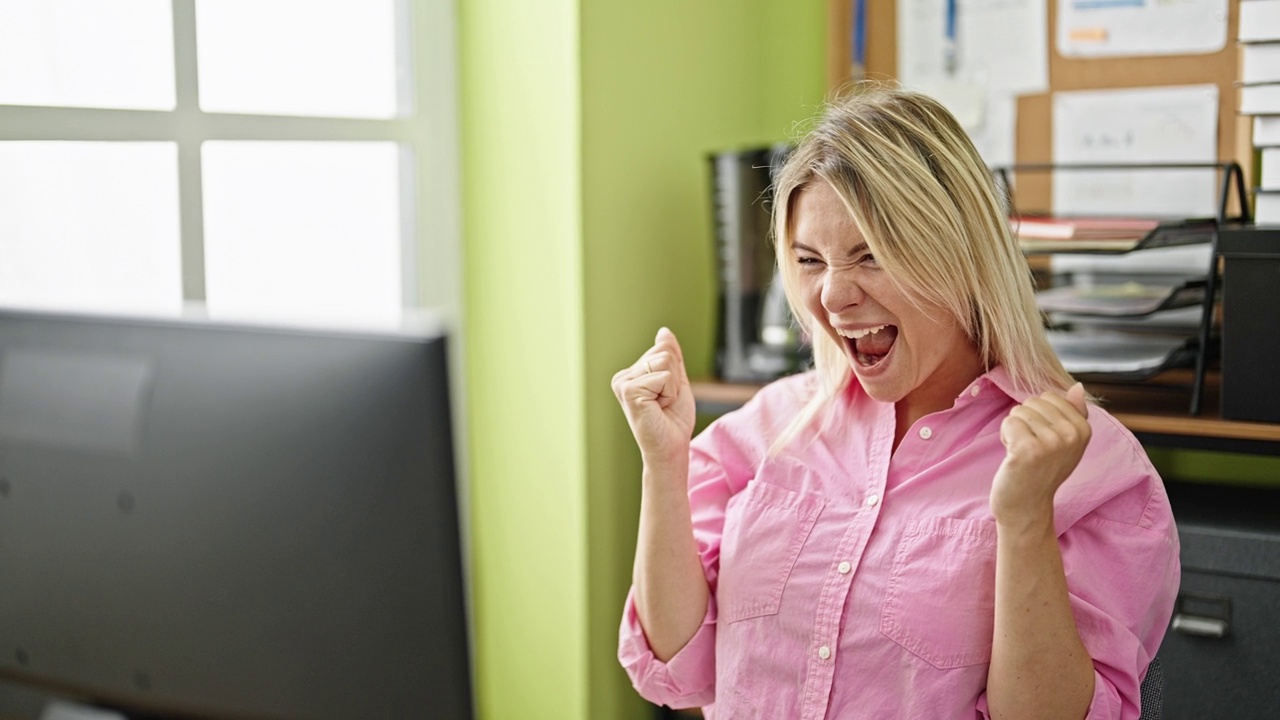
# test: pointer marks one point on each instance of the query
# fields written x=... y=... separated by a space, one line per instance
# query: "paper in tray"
x=1089 y=235
x=1124 y=299
x=1185 y=321
x=1119 y=355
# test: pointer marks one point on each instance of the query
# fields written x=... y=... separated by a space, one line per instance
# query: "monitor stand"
x=67 y=710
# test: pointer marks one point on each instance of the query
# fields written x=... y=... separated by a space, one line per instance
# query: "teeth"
x=855 y=334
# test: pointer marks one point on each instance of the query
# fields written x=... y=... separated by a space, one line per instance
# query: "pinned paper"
x=1113 y=28
x=1146 y=125
x=998 y=44
x=976 y=57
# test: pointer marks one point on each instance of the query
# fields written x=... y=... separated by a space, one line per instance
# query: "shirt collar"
x=999 y=378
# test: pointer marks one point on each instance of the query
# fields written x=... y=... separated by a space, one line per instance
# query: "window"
x=277 y=160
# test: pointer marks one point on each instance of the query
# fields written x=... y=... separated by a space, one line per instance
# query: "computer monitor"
x=213 y=521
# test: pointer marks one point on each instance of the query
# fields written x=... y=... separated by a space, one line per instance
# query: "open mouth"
x=869 y=346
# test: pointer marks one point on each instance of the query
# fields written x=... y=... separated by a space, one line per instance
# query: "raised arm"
x=671 y=590
x=1039 y=666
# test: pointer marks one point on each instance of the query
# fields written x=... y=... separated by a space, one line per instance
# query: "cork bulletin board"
x=1035 y=112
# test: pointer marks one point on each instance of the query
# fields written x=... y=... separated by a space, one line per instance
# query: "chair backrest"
x=1153 y=692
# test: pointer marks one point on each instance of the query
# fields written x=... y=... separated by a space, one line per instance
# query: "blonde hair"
x=928 y=209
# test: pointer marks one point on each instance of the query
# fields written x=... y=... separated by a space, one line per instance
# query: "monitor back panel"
x=230 y=522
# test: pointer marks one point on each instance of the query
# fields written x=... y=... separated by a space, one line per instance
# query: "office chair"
x=1153 y=692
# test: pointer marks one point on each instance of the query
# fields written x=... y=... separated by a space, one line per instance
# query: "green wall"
x=586 y=124
x=1216 y=467
x=522 y=309
x=664 y=84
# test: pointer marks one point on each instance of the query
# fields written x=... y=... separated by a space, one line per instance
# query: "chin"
x=880 y=393
x=879 y=389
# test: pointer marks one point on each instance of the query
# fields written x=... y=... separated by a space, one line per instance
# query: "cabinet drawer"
x=1230 y=676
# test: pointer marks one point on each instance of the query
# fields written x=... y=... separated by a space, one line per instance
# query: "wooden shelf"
x=1155 y=411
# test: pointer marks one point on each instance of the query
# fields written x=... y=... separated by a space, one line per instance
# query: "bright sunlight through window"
x=90 y=227
x=298 y=57
x=249 y=160
x=87 y=53
x=303 y=232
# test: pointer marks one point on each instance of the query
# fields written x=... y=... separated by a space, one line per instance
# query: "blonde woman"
x=934 y=523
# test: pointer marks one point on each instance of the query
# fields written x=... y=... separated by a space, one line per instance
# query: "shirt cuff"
x=685 y=680
x=1105 y=705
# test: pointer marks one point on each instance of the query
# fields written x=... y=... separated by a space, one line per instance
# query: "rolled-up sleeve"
x=1120 y=553
x=1132 y=572
x=1122 y=593
x=687 y=679
x=723 y=459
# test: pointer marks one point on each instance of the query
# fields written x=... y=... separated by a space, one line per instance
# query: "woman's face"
x=898 y=349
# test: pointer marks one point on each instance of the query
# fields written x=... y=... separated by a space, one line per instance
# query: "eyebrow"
x=855 y=250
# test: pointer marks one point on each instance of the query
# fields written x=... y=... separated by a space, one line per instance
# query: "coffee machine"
x=757 y=339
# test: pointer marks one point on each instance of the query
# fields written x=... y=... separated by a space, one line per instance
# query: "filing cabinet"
x=1250 y=344
x=1221 y=654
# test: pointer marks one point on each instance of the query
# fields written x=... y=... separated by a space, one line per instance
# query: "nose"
x=839 y=291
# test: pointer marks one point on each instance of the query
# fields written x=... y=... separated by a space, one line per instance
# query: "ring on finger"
x=647 y=368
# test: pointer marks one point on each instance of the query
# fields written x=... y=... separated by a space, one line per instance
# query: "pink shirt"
x=851 y=581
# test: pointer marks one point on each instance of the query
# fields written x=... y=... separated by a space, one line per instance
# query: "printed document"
x=1111 y=28
x=1146 y=125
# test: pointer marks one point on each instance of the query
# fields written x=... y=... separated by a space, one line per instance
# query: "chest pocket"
x=941 y=598
x=765 y=526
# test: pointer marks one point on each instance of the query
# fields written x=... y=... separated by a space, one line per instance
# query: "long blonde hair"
x=928 y=208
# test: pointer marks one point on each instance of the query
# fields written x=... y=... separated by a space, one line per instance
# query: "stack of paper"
x=1260 y=96
x=1127 y=317
x=1105 y=234
x=1119 y=356
x=1267 y=200
x=1047 y=234
x=1122 y=298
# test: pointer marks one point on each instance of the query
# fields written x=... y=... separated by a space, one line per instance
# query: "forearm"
x=1039 y=666
x=670 y=588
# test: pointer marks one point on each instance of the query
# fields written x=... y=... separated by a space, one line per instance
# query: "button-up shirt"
x=852 y=580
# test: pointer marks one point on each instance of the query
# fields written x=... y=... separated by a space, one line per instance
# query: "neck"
x=934 y=396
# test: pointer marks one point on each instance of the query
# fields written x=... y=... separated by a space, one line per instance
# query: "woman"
x=935 y=522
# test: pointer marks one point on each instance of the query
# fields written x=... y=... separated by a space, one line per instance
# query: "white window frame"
x=427 y=130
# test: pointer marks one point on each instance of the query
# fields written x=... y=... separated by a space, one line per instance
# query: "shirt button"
x=974 y=391
x=824 y=652
x=872 y=499
x=926 y=433
x=844 y=568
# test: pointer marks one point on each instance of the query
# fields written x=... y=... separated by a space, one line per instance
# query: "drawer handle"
x=1206 y=616
x=1200 y=626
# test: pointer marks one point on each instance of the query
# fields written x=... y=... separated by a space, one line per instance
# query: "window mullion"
x=19 y=122
x=189 y=138
x=435 y=140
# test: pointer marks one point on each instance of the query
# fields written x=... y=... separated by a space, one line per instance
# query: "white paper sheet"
x=1146 y=125
x=1109 y=28
x=996 y=136
x=1001 y=52
x=1000 y=45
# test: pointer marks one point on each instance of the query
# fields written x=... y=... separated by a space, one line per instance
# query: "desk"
x=1156 y=412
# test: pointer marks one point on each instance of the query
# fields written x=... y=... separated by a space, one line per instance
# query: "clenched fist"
x=1044 y=439
x=655 y=396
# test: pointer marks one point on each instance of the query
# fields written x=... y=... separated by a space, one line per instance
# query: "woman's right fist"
x=655 y=396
